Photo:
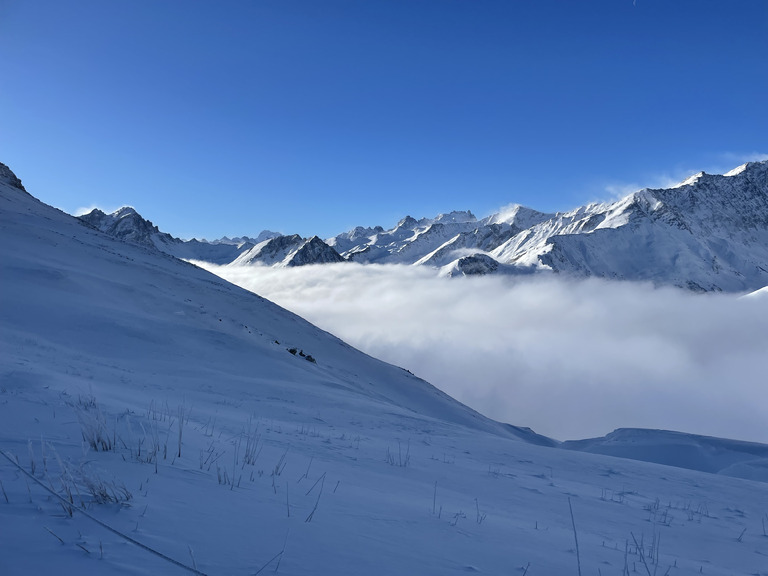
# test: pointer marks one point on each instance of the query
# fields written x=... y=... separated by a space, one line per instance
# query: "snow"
x=715 y=229
x=708 y=234
x=761 y=293
x=518 y=215
x=693 y=179
x=736 y=171
x=715 y=455
x=341 y=466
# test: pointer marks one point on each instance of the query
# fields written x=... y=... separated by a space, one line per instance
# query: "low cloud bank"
x=570 y=359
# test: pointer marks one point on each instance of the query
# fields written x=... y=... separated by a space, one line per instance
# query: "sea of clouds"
x=569 y=358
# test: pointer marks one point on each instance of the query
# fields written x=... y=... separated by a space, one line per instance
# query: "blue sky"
x=312 y=117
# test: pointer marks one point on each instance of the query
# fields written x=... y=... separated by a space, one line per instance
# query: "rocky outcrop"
x=7 y=175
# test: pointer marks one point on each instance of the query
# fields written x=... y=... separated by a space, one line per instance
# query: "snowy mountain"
x=404 y=244
x=128 y=225
x=269 y=248
x=289 y=251
x=155 y=419
x=708 y=233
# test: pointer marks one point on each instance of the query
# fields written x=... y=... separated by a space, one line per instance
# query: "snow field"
x=322 y=485
x=343 y=466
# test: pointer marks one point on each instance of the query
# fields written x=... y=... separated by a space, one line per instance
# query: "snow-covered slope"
x=761 y=293
x=155 y=419
x=715 y=455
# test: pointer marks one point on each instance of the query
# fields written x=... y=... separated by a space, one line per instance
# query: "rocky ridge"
x=709 y=233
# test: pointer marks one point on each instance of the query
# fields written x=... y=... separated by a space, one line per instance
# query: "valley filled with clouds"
x=569 y=358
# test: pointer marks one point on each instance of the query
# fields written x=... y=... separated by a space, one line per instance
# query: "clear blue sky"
x=225 y=117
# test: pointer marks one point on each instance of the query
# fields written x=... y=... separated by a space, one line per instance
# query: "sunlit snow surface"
x=736 y=171
x=340 y=466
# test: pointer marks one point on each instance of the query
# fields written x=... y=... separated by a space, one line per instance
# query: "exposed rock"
x=7 y=175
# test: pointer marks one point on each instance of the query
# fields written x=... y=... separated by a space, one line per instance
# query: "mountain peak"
x=127 y=224
x=738 y=170
x=125 y=211
x=519 y=215
x=748 y=167
x=457 y=216
x=7 y=175
x=691 y=180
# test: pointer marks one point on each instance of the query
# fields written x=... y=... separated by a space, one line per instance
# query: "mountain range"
x=155 y=418
x=709 y=233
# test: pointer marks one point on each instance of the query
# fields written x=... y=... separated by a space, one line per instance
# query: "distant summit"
x=456 y=217
x=268 y=248
x=126 y=224
x=288 y=251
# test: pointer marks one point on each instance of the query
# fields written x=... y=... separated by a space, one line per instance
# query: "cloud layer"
x=570 y=359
